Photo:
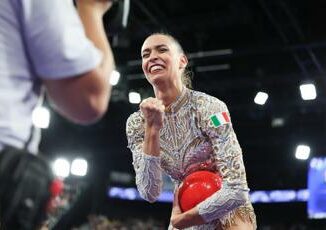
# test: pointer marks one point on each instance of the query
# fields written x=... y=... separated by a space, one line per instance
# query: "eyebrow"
x=155 y=47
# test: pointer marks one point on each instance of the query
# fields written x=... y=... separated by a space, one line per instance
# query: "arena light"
x=134 y=98
x=115 y=77
x=61 y=167
x=278 y=122
x=41 y=117
x=308 y=91
x=261 y=98
x=302 y=152
x=79 y=167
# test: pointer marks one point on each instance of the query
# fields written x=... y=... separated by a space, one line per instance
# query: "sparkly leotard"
x=189 y=141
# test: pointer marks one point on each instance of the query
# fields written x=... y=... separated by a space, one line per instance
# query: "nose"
x=153 y=56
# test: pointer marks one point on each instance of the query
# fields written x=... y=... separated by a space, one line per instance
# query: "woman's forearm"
x=187 y=219
x=222 y=202
x=151 y=144
x=148 y=176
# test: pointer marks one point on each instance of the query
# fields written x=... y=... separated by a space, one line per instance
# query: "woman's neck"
x=168 y=94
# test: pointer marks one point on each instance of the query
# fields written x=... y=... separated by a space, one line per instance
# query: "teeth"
x=156 y=67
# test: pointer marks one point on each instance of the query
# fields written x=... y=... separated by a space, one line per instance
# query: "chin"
x=157 y=79
x=157 y=76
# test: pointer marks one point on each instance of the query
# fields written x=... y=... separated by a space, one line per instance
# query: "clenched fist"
x=153 y=110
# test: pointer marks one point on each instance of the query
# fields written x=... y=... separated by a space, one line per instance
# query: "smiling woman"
x=163 y=48
x=179 y=132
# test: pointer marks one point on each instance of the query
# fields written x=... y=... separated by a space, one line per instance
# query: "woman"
x=181 y=131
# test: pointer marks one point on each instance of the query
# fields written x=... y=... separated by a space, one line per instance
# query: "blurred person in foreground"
x=52 y=46
x=181 y=131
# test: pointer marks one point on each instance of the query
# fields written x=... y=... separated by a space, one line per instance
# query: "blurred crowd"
x=293 y=226
x=99 y=222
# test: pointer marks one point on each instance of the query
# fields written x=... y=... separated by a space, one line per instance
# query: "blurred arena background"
x=260 y=57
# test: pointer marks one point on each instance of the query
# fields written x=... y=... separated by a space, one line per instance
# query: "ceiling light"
x=308 y=91
x=302 y=152
x=261 y=98
x=134 y=98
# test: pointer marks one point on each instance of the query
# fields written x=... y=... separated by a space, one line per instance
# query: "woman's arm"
x=143 y=141
x=193 y=216
x=187 y=219
x=227 y=153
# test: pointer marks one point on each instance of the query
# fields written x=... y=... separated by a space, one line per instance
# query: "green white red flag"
x=219 y=119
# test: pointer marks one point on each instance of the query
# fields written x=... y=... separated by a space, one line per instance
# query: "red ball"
x=197 y=187
x=56 y=187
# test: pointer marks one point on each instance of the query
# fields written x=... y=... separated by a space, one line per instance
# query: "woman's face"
x=162 y=60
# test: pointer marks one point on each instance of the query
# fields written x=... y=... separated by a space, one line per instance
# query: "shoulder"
x=134 y=117
x=135 y=123
x=213 y=114
x=206 y=102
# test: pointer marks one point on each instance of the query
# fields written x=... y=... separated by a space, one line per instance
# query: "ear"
x=183 y=61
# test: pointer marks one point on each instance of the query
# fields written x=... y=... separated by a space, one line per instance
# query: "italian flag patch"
x=219 y=119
